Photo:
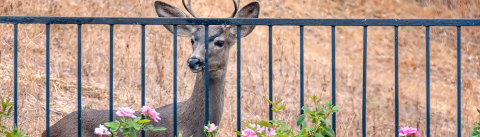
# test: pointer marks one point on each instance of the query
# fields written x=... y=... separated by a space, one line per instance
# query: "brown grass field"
x=159 y=60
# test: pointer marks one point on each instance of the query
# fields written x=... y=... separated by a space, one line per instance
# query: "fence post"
x=79 y=79
x=364 y=99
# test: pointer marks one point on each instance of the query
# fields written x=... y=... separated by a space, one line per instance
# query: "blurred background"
x=286 y=53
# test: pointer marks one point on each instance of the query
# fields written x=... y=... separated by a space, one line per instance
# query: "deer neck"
x=194 y=107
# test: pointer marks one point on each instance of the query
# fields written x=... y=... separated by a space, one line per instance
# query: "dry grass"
x=127 y=84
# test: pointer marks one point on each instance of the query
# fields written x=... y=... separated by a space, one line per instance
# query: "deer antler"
x=189 y=8
x=236 y=4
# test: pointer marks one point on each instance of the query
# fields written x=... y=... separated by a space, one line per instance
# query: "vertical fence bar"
x=239 y=77
x=364 y=102
x=174 y=80
x=270 y=84
x=301 y=69
x=396 y=81
x=47 y=79
x=333 y=79
x=206 y=78
x=15 y=75
x=111 y=72
x=428 y=77
x=143 y=71
x=459 y=81
x=79 y=79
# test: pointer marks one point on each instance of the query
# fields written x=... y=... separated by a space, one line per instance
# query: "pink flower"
x=249 y=133
x=256 y=127
x=151 y=113
x=408 y=131
x=125 y=111
x=211 y=128
x=270 y=132
x=102 y=130
x=260 y=129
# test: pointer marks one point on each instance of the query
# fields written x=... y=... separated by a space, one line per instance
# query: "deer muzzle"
x=195 y=64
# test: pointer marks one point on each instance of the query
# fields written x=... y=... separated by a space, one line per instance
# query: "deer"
x=191 y=113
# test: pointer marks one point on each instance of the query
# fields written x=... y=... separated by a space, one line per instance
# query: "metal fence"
x=238 y=22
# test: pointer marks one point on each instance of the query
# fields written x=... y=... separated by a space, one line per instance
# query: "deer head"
x=220 y=38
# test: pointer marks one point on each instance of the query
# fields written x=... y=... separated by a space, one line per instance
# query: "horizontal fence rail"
x=270 y=22
x=236 y=21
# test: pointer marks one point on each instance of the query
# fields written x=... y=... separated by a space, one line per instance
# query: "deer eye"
x=219 y=43
x=192 y=41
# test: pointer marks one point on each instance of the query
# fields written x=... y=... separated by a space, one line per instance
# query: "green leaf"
x=9 y=111
x=328 y=132
x=158 y=129
x=301 y=132
x=329 y=104
x=474 y=133
x=336 y=108
x=327 y=121
x=282 y=127
x=264 y=124
x=304 y=123
x=306 y=109
x=150 y=127
x=126 y=131
x=300 y=119
x=318 y=135
x=310 y=129
x=238 y=132
x=311 y=113
x=133 y=134
x=269 y=101
x=137 y=126
x=312 y=97
x=278 y=102
x=114 y=128
x=112 y=124
x=279 y=107
x=137 y=119
x=143 y=121
x=320 y=113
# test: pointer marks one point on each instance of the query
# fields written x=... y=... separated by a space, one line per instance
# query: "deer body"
x=191 y=113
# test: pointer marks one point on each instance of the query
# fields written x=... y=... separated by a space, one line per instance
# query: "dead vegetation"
x=159 y=68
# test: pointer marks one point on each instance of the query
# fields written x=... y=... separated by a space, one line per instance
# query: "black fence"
x=238 y=22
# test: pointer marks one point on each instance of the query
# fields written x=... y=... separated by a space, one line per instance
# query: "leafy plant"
x=130 y=127
x=5 y=113
x=475 y=132
x=320 y=123
x=211 y=130
x=180 y=134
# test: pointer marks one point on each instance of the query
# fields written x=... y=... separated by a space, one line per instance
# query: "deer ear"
x=252 y=10
x=166 y=10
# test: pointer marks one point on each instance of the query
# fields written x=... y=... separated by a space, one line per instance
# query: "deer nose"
x=194 y=63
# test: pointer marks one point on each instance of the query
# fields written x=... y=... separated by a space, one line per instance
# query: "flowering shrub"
x=320 y=124
x=5 y=113
x=127 y=126
x=102 y=131
x=211 y=130
x=475 y=132
x=408 y=132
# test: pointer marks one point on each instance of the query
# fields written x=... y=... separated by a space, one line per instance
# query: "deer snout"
x=195 y=64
